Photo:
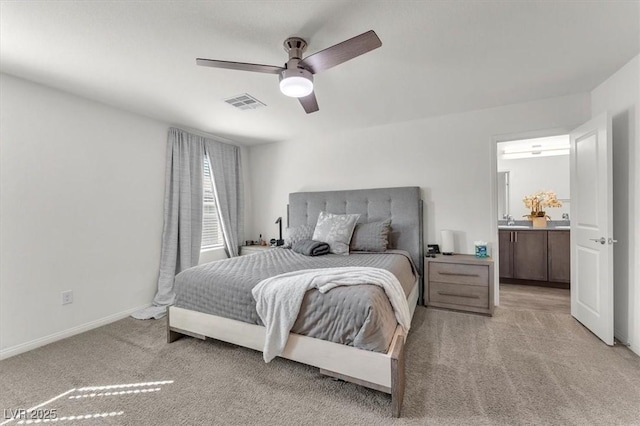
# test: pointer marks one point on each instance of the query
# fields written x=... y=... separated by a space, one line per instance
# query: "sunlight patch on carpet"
x=77 y=399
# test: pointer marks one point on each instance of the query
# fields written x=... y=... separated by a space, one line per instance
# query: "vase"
x=539 y=222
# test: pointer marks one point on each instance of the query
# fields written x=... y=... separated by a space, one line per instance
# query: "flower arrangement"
x=538 y=201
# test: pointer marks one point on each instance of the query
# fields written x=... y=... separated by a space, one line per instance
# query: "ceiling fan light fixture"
x=296 y=76
x=296 y=83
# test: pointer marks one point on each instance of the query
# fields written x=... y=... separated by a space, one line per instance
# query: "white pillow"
x=335 y=230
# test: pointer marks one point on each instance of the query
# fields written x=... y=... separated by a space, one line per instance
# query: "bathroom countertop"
x=531 y=228
x=525 y=225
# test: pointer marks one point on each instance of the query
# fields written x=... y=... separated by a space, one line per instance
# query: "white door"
x=592 y=227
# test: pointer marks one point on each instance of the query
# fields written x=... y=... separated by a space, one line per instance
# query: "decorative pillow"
x=335 y=230
x=372 y=236
x=293 y=235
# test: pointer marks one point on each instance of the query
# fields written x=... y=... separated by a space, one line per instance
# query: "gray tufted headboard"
x=403 y=205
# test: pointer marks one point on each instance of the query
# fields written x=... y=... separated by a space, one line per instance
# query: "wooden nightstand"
x=244 y=250
x=461 y=282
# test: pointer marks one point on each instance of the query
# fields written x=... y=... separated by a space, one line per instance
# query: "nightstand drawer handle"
x=444 y=293
x=457 y=274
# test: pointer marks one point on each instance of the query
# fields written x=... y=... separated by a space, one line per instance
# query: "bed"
x=363 y=345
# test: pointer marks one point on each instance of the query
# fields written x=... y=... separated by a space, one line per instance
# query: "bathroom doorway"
x=533 y=204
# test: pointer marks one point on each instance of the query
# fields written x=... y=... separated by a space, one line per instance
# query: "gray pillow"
x=298 y=233
x=372 y=236
x=335 y=230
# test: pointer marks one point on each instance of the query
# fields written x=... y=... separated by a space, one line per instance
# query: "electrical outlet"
x=67 y=297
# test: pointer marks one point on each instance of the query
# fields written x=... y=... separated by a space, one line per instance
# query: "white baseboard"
x=24 y=347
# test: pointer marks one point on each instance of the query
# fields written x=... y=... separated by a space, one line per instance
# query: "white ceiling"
x=436 y=58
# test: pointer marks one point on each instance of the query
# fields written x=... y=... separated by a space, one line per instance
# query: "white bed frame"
x=380 y=371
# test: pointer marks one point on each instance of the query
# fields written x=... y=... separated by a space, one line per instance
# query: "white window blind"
x=211 y=230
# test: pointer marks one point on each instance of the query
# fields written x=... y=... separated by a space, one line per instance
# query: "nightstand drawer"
x=456 y=294
x=476 y=275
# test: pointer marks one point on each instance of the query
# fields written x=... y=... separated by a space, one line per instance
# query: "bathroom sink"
x=562 y=227
x=513 y=227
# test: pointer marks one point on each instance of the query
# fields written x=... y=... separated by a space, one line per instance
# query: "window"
x=211 y=230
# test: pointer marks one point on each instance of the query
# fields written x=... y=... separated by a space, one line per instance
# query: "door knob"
x=600 y=240
x=611 y=241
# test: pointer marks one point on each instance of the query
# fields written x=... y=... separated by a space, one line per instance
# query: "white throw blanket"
x=278 y=299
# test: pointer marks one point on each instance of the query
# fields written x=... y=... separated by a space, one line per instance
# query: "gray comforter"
x=360 y=316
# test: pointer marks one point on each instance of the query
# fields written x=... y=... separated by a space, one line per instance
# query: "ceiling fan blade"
x=341 y=52
x=242 y=66
x=309 y=103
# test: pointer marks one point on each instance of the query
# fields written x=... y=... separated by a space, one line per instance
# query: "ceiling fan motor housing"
x=296 y=72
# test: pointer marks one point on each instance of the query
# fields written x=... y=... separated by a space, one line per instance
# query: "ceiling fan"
x=296 y=77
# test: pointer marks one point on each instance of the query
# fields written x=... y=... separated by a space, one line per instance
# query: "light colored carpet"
x=515 y=296
x=519 y=367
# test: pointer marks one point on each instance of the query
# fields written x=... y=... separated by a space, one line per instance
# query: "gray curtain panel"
x=226 y=167
x=182 y=232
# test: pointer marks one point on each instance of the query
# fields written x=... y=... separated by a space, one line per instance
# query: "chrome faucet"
x=510 y=220
x=565 y=216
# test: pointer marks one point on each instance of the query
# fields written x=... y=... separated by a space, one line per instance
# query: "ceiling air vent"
x=244 y=102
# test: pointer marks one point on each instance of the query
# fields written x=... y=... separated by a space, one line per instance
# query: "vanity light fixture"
x=535 y=151
x=534 y=147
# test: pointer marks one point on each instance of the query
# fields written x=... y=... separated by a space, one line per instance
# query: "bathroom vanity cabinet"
x=536 y=257
x=559 y=254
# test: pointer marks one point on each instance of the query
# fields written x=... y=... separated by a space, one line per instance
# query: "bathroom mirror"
x=528 y=166
x=503 y=195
